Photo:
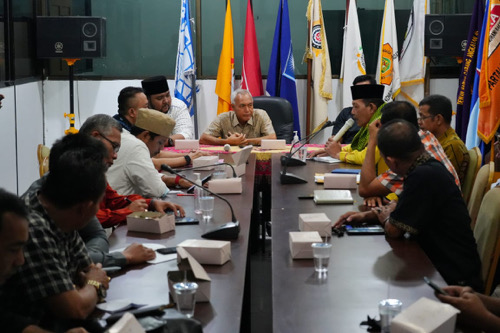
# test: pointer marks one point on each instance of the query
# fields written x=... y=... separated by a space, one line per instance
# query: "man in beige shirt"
x=243 y=126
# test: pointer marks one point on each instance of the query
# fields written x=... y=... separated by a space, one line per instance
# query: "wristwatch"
x=170 y=142
x=188 y=159
x=101 y=291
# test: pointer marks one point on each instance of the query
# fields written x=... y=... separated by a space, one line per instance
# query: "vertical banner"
x=388 y=55
x=225 y=73
x=251 y=76
x=281 y=76
x=412 y=61
x=353 y=58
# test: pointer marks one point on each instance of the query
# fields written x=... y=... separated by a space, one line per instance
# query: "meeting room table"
x=147 y=283
x=363 y=269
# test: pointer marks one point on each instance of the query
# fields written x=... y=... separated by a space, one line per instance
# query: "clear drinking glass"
x=207 y=207
x=185 y=297
x=321 y=254
x=388 y=309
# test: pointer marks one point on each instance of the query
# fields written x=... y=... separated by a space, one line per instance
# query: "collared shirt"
x=183 y=124
x=456 y=151
x=432 y=210
x=259 y=125
x=53 y=261
x=133 y=171
x=395 y=183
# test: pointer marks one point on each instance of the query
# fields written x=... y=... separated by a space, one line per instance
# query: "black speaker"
x=446 y=35
x=71 y=37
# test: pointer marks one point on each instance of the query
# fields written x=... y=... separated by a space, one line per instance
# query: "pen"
x=185 y=195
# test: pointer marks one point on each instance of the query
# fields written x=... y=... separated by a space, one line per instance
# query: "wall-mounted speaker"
x=446 y=35
x=71 y=37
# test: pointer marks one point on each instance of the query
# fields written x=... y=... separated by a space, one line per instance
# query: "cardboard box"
x=194 y=272
x=340 y=181
x=273 y=144
x=210 y=252
x=238 y=161
x=316 y=222
x=300 y=243
x=205 y=160
x=229 y=185
x=187 y=144
x=426 y=315
x=153 y=222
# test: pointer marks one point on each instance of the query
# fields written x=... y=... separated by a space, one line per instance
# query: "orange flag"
x=225 y=73
x=489 y=80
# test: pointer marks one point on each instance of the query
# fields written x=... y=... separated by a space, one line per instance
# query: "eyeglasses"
x=115 y=145
x=426 y=117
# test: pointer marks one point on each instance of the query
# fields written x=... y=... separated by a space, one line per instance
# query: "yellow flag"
x=225 y=73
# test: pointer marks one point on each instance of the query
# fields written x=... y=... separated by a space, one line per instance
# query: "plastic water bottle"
x=198 y=193
x=294 y=143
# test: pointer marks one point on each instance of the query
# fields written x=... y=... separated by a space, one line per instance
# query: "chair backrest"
x=42 y=153
x=472 y=169
x=281 y=113
x=481 y=185
x=487 y=235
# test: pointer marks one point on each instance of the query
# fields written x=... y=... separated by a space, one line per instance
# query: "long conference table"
x=147 y=284
x=363 y=269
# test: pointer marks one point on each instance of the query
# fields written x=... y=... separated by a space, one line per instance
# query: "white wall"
x=32 y=113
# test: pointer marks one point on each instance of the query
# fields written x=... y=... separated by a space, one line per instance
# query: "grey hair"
x=239 y=92
x=101 y=123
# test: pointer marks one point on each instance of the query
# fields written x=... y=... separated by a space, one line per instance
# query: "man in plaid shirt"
x=371 y=186
x=58 y=278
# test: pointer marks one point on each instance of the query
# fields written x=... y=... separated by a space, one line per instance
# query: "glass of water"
x=207 y=207
x=321 y=254
x=185 y=297
x=388 y=309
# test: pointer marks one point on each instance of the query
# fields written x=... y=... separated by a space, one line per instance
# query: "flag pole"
x=309 y=84
x=193 y=82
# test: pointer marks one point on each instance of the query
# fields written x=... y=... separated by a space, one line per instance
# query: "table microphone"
x=348 y=124
x=287 y=159
x=210 y=165
x=227 y=231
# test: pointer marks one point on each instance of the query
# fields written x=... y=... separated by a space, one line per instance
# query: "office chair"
x=482 y=184
x=472 y=170
x=281 y=113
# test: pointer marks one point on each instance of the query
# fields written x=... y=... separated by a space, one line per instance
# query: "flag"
x=317 y=51
x=185 y=67
x=472 y=139
x=251 y=77
x=467 y=74
x=281 y=76
x=388 y=57
x=353 y=58
x=225 y=73
x=489 y=80
x=412 y=61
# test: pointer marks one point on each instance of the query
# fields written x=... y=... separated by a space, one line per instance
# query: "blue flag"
x=472 y=139
x=467 y=74
x=281 y=76
x=185 y=67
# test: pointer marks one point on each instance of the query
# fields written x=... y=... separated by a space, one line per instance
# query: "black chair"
x=281 y=113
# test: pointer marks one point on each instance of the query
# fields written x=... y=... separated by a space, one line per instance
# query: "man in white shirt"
x=133 y=171
x=159 y=98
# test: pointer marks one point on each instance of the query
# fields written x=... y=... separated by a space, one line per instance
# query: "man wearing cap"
x=133 y=172
x=158 y=94
x=366 y=105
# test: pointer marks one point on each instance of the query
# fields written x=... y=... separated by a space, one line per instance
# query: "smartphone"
x=167 y=250
x=364 y=230
x=435 y=286
x=185 y=220
x=203 y=181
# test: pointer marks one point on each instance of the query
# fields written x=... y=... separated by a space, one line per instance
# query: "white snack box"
x=228 y=185
x=205 y=160
x=273 y=144
x=316 y=222
x=340 y=181
x=210 y=252
x=300 y=243
x=152 y=222
x=186 y=144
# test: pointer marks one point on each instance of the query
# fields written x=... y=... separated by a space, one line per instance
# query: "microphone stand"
x=210 y=165
x=227 y=231
x=288 y=177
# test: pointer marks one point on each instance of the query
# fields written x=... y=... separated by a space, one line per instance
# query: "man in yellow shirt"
x=366 y=105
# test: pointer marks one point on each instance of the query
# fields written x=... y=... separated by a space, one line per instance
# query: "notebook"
x=326 y=159
x=333 y=197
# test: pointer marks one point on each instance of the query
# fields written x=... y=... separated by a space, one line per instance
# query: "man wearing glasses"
x=434 y=115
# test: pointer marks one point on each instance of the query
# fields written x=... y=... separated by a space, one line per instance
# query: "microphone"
x=210 y=165
x=227 y=231
x=287 y=159
x=348 y=124
x=290 y=178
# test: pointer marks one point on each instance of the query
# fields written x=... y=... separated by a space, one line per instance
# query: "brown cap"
x=365 y=91
x=155 y=85
x=155 y=122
